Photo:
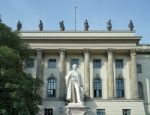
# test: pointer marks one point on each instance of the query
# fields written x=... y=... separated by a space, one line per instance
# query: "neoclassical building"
x=114 y=67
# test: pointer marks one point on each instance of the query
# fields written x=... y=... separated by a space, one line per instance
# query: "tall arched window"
x=97 y=85
x=120 y=88
x=140 y=86
x=51 y=90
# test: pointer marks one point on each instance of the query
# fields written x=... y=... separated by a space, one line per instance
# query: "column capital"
x=133 y=51
x=110 y=50
x=62 y=50
x=86 y=50
x=39 y=50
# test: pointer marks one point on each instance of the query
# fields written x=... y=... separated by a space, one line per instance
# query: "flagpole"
x=75 y=18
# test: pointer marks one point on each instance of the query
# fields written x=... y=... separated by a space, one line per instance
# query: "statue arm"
x=67 y=78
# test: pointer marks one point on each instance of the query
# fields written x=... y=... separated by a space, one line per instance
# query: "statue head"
x=74 y=66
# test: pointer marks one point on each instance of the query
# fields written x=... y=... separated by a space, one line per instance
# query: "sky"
x=97 y=12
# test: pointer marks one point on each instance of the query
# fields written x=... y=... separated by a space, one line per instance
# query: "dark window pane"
x=48 y=111
x=96 y=63
x=97 y=85
x=140 y=86
x=126 y=112
x=139 y=68
x=74 y=61
x=119 y=63
x=120 y=88
x=30 y=63
x=51 y=91
x=100 y=111
x=52 y=63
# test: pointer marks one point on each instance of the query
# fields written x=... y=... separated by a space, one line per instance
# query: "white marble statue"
x=74 y=86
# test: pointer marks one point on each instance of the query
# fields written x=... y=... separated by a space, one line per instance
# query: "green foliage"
x=12 y=40
x=18 y=92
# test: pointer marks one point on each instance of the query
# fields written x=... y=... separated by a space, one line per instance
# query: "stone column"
x=110 y=74
x=87 y=72
x=39 y=69
x=62 y=73
x=133 y=75
x=39 y=64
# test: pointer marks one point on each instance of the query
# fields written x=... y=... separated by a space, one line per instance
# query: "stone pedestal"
x=75 y=109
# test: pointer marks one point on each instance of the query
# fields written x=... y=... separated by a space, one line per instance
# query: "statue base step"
x=75 y=109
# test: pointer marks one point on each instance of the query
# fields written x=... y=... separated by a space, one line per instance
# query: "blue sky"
x=97 y=12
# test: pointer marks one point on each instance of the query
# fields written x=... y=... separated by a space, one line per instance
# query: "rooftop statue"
x=109 y=25
x=74 y=86
x=41 y=26
x=62 y=27
x=86 y=25
x=131 y=26
x=19 y=25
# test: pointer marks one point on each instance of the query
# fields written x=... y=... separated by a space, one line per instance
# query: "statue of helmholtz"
x=74 y=86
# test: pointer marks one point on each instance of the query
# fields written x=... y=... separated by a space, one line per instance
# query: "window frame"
x=48 y=111
x=120 y=88
x=119 y=63
x=126 y=111
x=96 y=64
x=140 y=90
x=97 y=89
x=52 y=63
x=51 y=87
x=139 y=68
x=29 y=64
x=71 y=63
x=100 y=111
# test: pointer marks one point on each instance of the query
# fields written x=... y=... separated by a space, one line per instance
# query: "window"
x=119 y=63
x=96 y=63
x=51 y=87
x=74 y=61
x=97 y=85
x=48 y=111
x=140 y=87
x=119 y=88
x=52 y=63
x=100 y=111
x=126 y=112
x=30 y=63
x=139 y=68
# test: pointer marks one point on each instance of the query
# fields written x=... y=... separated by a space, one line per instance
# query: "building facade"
x=114 y=69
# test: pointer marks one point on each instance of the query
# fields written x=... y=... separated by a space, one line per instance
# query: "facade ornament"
x=19 y=26
x=86 y=50
x=86 y=25
x=62 y=27
x=39 y=50
x=120 y=76
x=133 y=51
x=131 y=25
x=110 y=50
x=109 y=25
x=41 y=26
x=97 y=76
x=62 y=50
x=51 y=76
x=74 y=86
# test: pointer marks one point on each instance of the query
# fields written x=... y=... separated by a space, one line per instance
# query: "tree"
x=18 y=91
